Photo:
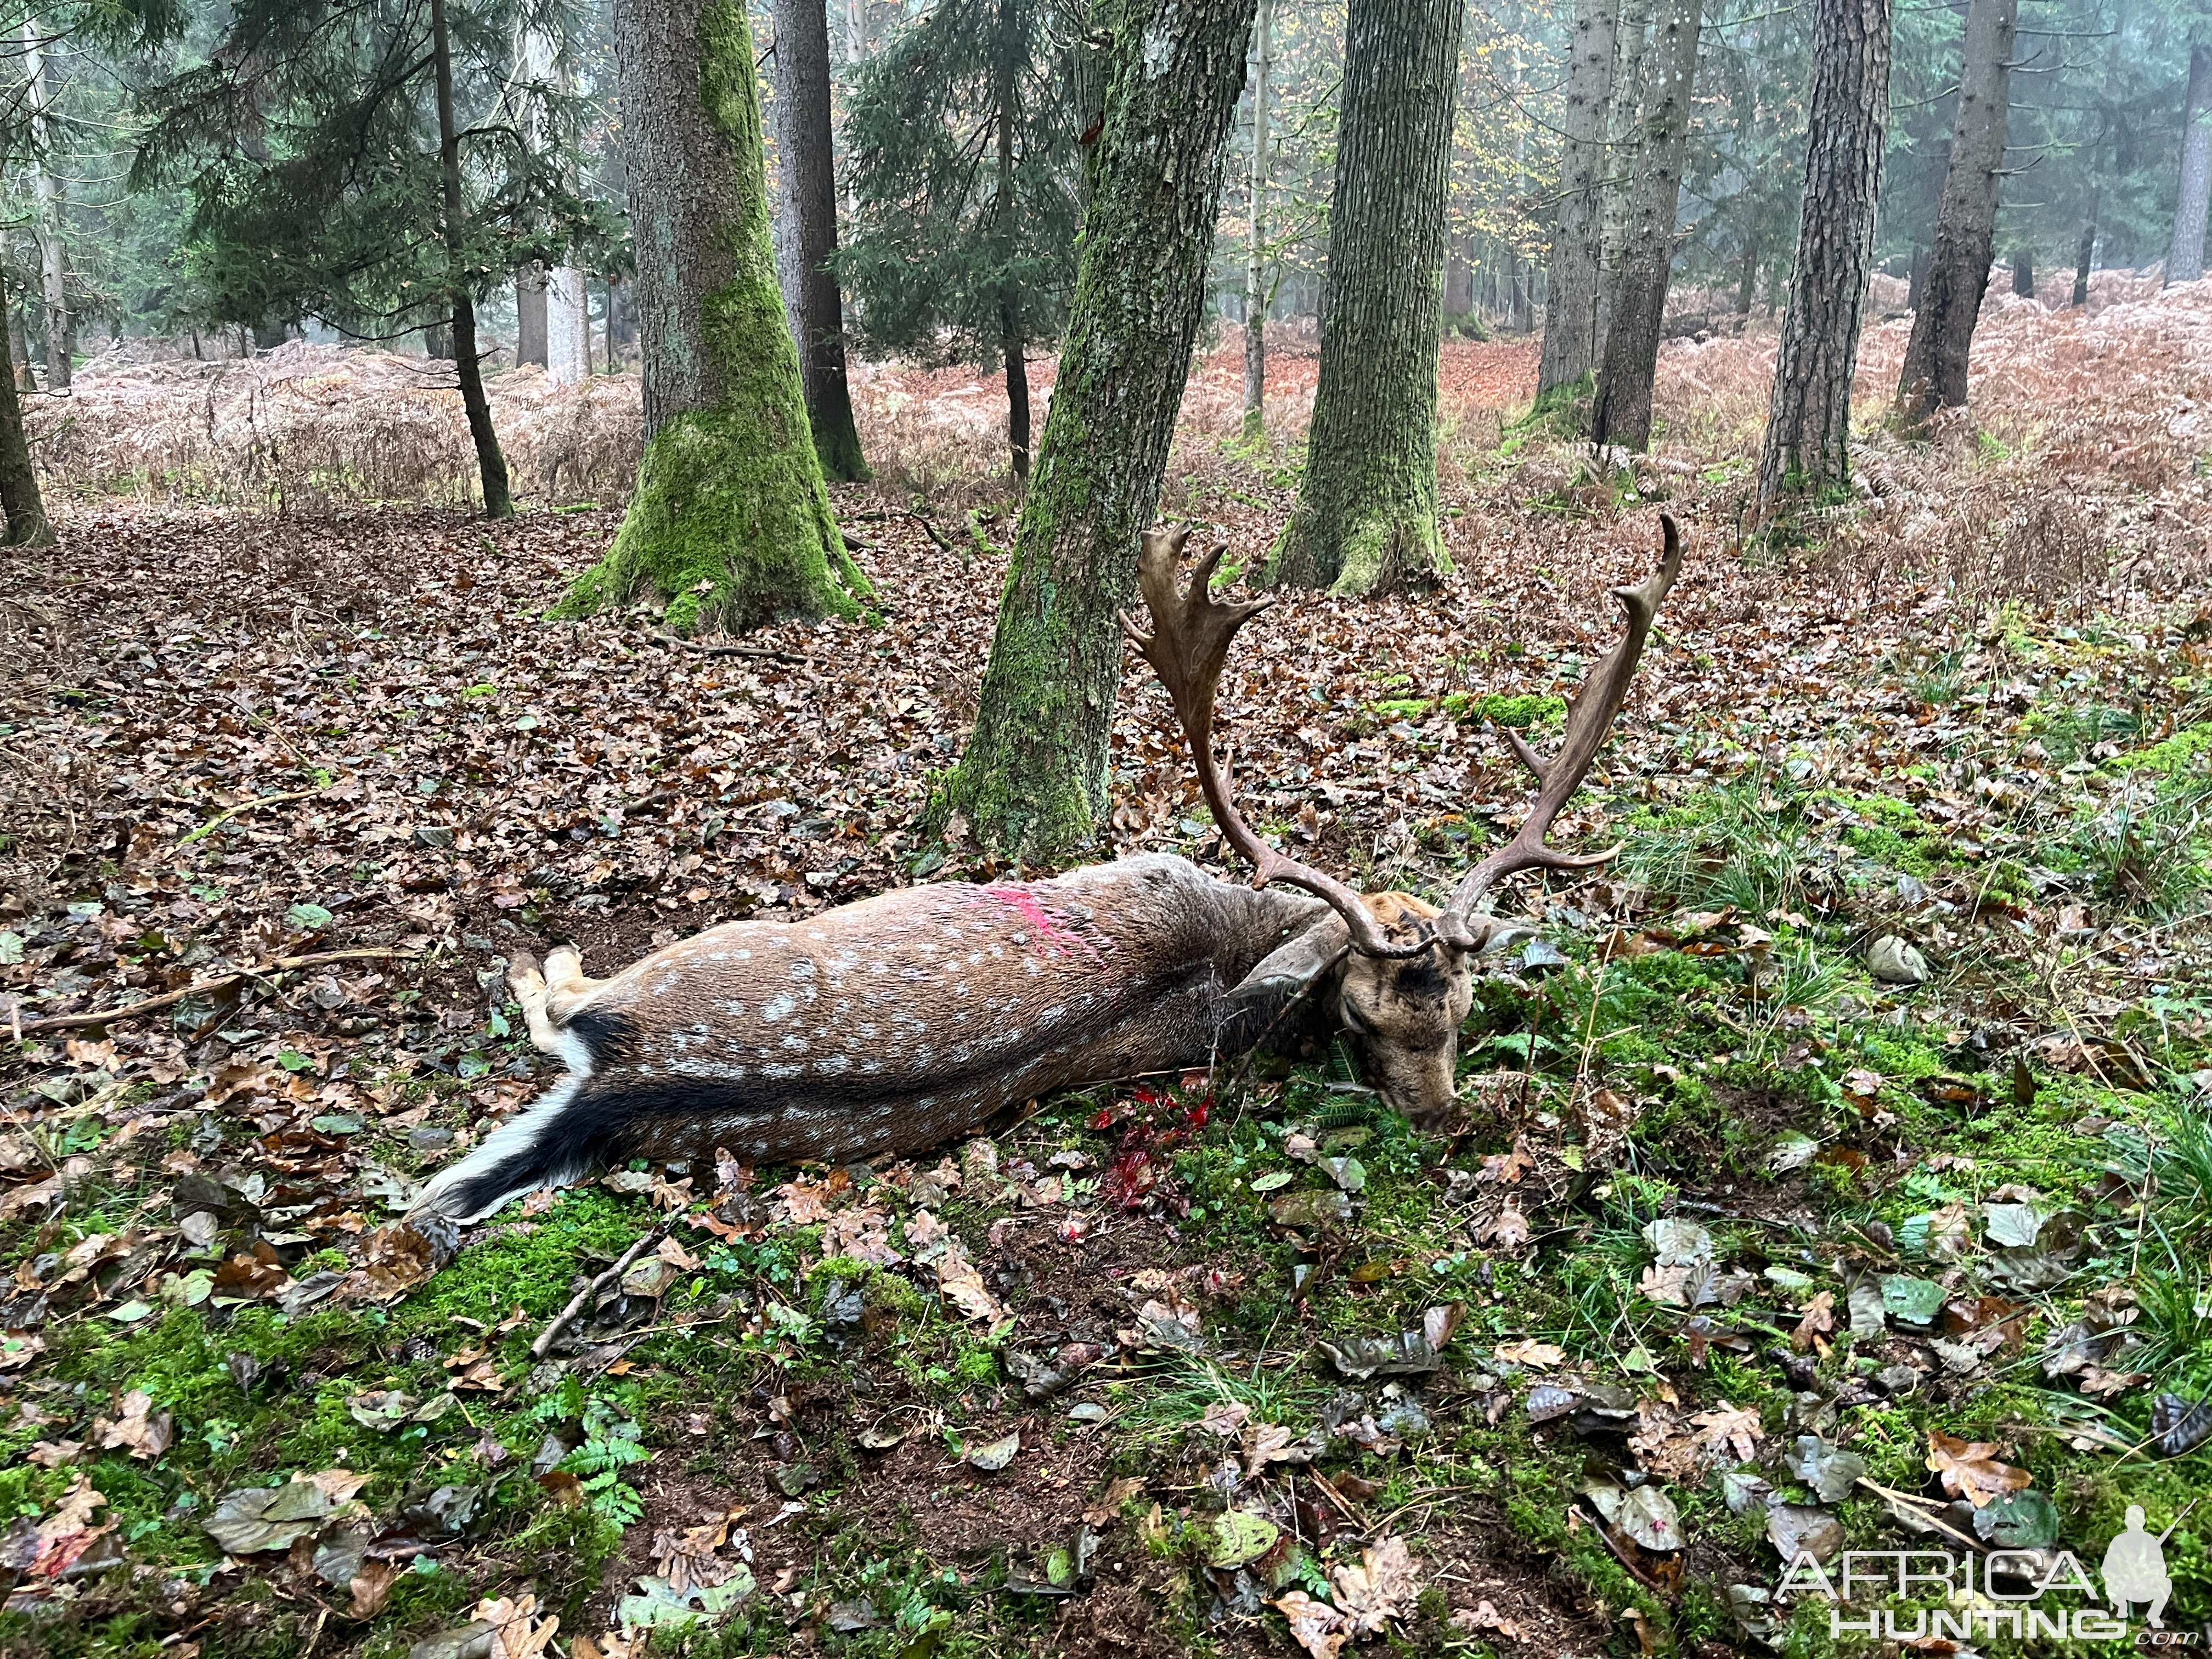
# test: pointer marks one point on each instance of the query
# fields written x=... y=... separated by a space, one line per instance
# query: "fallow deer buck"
x=892 y=1023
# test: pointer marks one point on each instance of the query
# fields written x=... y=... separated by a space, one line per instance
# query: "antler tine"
x=1589 y=719
x=1187 y=645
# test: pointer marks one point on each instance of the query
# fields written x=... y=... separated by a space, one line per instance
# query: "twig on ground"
x=876 y=515
x=770 y=653
x=562 y=1320
x=258 y=801
x=221 y=982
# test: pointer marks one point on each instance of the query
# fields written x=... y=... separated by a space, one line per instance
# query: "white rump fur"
x=546 y=1008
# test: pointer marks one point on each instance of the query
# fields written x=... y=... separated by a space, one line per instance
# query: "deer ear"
x=1255 y=1002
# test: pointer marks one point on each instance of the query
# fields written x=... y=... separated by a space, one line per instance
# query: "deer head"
x=1401 y=971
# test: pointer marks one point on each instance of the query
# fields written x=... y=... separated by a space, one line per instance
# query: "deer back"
x=895 y=1021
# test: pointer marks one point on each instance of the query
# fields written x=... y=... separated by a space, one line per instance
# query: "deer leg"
x=528 y=984
x=565 y=984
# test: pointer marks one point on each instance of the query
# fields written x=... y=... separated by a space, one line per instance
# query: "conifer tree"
x=353 y=165
x=966 y=174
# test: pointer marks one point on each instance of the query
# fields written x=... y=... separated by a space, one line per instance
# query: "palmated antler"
x=1589 y=719
x=1186 y=647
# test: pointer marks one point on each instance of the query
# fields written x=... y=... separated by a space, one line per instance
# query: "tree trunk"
x=530 y=315
x=27 y=525
x=1577 y=234
x=1004 y=114
x=730 y=496
x=1746 y=286
x=2185 y=255
x=1458 y=278
x=2085 y=251
x=567 y=326
x=1366 y=517
x=47 y=192
x=2023 y=274
x=1916 y=282
x=18 y=344
x=1255 y=246
x=1808 y=422
x=491 y=465
x=1624 y=138
x=1935 y=374
x=1622 y=414
x=1033 y=780
x=806 y=166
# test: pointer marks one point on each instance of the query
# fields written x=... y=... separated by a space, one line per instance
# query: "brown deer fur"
x=889 y=1025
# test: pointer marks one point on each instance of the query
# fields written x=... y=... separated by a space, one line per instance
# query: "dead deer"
x=893 y=1023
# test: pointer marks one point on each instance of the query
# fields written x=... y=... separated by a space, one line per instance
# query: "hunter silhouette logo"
x=2134 y=1568
x=1999 y=1592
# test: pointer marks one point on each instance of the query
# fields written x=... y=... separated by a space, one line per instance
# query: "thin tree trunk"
x=2085 y=251
x=19 y=343
x=806 y=166
x=1033 y=780
x=1459 y=279
x=1746 y=286
x=491 y=465
x=1623 y=411
x=1934 y=374
x=2185 y=255
x=1624 y=137
x=530 y=315
x=1004 y=114
x=2023 y=274
x=1255 y=245
x=27 y=525
x=1577 y=234
x=730 y=497
x=1808 y=421
x=48 y=194
x=1366 y=517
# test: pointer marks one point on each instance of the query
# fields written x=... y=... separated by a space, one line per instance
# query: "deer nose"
x=1424 y=1091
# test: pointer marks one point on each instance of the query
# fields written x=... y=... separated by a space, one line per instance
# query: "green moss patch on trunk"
x=732 y=521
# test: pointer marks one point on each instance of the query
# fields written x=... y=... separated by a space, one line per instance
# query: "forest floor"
x=1745 y=1244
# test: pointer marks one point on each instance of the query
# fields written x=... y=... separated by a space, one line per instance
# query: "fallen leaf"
x=144 y=1436
x=1314 y=1626
x=960 y=1282
x=1383 y=1586
x=994 y=1456
x=1970 y=1468
x=1537 y=1356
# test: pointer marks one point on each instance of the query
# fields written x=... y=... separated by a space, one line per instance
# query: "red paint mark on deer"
x=1051 y=936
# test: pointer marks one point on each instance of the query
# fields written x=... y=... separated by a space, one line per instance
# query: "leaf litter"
x=319 y=778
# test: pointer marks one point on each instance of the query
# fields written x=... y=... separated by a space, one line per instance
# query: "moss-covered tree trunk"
x=1367 y=506
x=806 y=164
x=730 y=520
x=1033 y=779
x=26 y=511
